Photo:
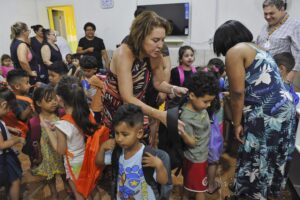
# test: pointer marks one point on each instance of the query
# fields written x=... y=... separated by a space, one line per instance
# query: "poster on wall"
x=106 y=4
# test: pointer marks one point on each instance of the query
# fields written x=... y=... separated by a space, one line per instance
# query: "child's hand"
x=21 y=140
x=151 y=161
x=109 y=145
x=14 y=131
x=181 y=125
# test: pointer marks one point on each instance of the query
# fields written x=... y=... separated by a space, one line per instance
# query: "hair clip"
x=215 y=68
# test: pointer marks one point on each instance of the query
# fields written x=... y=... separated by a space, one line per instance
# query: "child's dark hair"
x=47 y=93
x=88 y=62
x=75 y=56
x=182 y=50
x=286 y=59
x=7 y=95
x=70 y=90
x=205 y=83
x=4 y=57
x=130 y=114
x=58 y=67
x=14 y=76
x=217 y=66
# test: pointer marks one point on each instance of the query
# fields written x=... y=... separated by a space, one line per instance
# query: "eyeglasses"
x=54 y=34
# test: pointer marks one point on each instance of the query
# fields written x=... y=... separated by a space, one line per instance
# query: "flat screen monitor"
x=177 y=14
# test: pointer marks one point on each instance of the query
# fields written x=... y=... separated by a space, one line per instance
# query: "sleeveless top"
x=141 y=74
x=55 y=54
x=265 y=92
x=36 y=47
x=30 y=57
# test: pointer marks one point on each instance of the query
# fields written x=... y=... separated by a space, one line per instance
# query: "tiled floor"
x=225 y=174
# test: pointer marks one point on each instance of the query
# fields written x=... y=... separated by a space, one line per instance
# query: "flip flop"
x=216 y=189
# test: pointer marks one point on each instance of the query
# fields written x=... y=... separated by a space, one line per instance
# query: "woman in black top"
x=36 y=42
x=21 y=53
x=50 y=51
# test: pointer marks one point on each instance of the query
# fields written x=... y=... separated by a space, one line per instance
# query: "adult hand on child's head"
x=179 y=91
x=109 y=145
x=151 y=161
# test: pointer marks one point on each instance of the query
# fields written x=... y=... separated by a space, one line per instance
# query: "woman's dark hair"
x=4 y=57
x=58 y=67
x=46 y=32
x=229 y=34
x=130 y=114
x=182 y=51
x=141 y=27
x=36 y=28
x=47 y=93
x=88 y=62
x=71 y=92
x=7 y=95
x=205 y=83
x=89 y=24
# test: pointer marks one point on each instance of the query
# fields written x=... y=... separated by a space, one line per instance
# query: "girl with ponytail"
x=71 y=136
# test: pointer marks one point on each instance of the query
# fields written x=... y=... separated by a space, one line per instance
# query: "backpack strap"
x=181 y=73
x=35 y=129
x=4 y=136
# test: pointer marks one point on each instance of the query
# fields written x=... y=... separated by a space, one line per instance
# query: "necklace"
x=274 y=28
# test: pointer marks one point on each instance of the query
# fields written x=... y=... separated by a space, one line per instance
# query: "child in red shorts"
x=203 y=87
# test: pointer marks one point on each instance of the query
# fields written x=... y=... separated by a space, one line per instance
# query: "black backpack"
x=169 y=139
x=162 y=192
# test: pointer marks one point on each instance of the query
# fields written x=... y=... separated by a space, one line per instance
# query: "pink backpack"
x=181 y=73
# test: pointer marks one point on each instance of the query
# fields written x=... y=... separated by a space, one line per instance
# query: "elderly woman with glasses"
x=50 y=51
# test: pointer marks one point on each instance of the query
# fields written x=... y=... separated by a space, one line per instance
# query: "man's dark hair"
x=279 y=4
x=88 y=62
x=15 y=75
x=130 y=114
x=58 y=67
x=286 y=59
x=229 y=34
x=89 y=24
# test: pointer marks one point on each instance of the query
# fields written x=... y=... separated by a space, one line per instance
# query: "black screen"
x=177 y=14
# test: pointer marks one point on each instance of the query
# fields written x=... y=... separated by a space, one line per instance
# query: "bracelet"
x=235 y=125
x=172 y=90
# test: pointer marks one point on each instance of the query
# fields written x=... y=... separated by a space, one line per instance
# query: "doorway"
x=61 y=19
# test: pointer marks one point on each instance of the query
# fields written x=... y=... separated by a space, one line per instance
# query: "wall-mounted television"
x=177 y=14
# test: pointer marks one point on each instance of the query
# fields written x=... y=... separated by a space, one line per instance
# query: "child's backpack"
x=32 y=148
x=89 y=173
x=169 y=139
x=181 y=73
x=162 y=192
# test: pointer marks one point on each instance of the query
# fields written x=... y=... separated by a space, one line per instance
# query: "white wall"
x=113 y=24
x=11 y=12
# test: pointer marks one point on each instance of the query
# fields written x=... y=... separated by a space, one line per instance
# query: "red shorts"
x=195 y=176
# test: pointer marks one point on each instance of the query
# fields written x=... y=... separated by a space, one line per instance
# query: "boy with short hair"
x=94 y=89
x=286 y=63
x=131 y=180
x=56 y=71
x=203 y=88
x=18 y=80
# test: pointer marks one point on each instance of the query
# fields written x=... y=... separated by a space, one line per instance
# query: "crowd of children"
x=54 y=120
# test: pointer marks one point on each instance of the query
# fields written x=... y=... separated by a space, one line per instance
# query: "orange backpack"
x=89 y=172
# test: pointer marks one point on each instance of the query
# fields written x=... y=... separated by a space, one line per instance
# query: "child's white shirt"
x=131 y=180
x=75 y=144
